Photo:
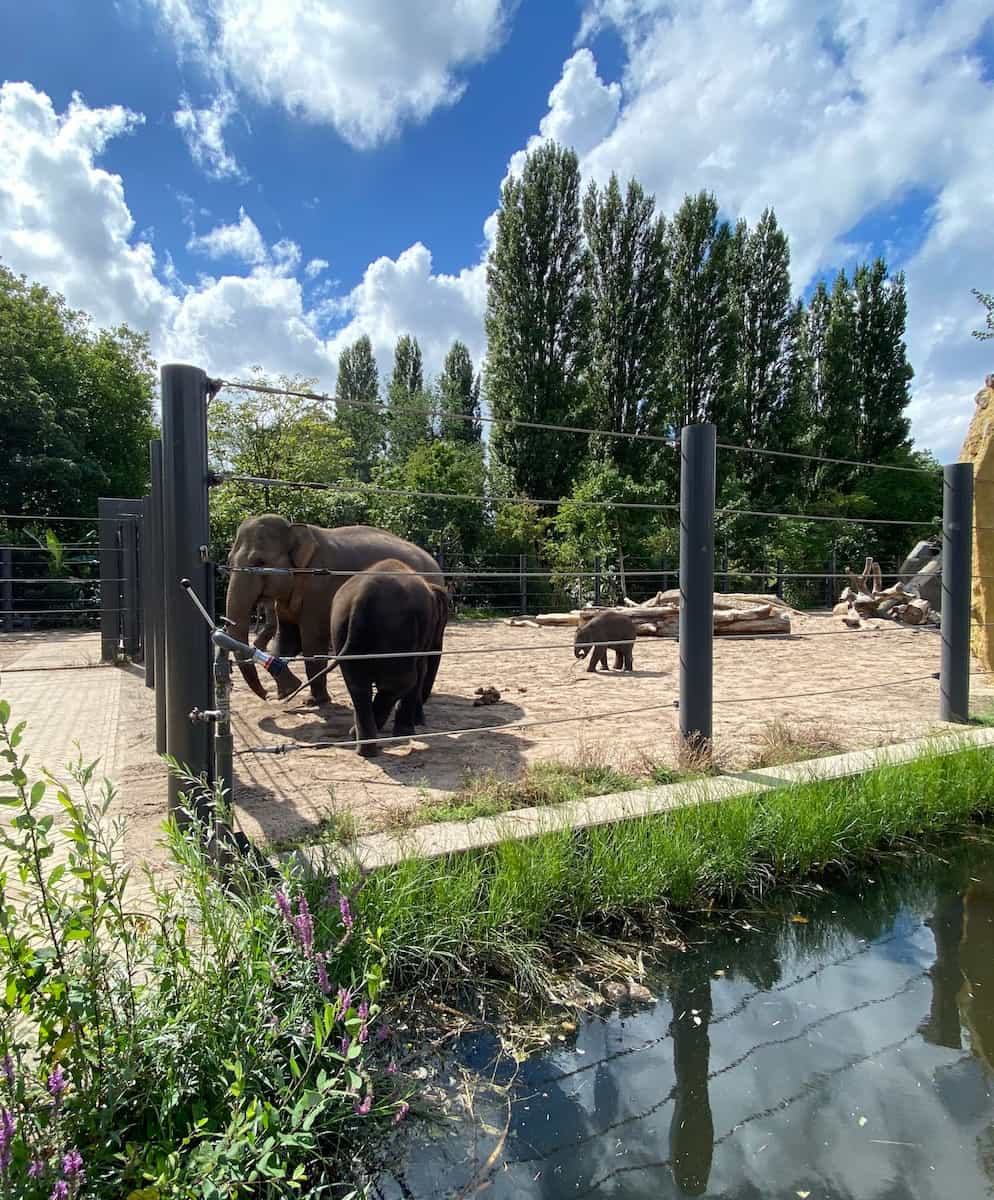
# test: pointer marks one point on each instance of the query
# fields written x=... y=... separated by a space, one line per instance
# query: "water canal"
x=842 y=1046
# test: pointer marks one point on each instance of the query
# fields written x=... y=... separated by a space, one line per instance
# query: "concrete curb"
x=454 y=837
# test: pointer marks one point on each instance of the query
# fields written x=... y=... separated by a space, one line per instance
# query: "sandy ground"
x=288 y=796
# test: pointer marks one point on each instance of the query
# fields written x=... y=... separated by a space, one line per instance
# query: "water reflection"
x=851 y=1055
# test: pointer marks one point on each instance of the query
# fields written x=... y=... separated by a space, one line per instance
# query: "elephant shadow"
x=437 y=761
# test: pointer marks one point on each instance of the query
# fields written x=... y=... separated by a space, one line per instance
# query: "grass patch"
x=508 y=911
x=543 y=783
x=782 y=743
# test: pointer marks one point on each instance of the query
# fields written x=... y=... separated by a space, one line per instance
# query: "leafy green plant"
x=186 y=1041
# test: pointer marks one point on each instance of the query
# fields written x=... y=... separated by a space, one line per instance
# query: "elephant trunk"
x=243 y=592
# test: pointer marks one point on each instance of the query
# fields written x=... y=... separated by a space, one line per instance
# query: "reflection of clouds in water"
x=808 y=1081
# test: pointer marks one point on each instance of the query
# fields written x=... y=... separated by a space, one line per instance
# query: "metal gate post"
x=185 y=539
x=957 y=549
x=110 y=576
x=697 y=496
x=7 y=590
x=156 y=609
x=129 y=582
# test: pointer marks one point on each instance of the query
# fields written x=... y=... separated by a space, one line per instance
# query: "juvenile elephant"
x=388 y=610
x=300 y=604
x=613 y=631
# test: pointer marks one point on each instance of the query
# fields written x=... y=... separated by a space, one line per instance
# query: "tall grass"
x=507 y=910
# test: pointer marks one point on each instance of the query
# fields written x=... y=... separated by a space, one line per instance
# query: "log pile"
x=737 y=613
x=866 y=599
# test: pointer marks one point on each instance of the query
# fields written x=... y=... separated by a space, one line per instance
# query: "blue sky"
x=217 y=155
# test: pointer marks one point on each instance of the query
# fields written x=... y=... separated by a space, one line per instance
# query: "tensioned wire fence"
x=512 y=584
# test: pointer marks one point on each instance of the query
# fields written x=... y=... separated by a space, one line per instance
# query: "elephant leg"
x=594 y=656
x=629 y=659
x=383 y=704
x=287 y=646
x=365 y=722
x=406 y=718
x=619 y=660
x=315 y=635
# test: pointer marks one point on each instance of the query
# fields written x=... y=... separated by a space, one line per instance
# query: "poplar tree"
x=537 y=323
x=408 y=405
x=359 y=380
x=629 y=290
x=459 y=397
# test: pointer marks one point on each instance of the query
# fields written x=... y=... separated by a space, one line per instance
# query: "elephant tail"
x=325 y=670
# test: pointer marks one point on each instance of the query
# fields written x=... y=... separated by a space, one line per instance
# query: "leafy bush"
x=182 y=1042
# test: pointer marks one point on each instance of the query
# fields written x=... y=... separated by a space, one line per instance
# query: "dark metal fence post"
x=523 y=581
x=724 y=571
x=957 y=548
x=148 y=614
x=597 y=582
x=129 y=585
x=697 y=495
x=155 y=552
x=110 y=577
x=7 y=591
x=185 y=538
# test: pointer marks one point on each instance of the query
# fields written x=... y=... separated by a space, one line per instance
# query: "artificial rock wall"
x=978 y=448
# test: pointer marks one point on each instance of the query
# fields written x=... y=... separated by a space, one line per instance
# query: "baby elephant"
x=388 y=609
x=615 y=632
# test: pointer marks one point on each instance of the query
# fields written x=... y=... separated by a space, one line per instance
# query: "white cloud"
x=203 y=132
x=63 y=220
x=402 y=295
x=315 y=267
x=368 y=67
x=239 y=240
x=820 y=111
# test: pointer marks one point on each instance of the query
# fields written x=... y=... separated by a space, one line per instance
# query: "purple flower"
x=344 y=1001
x=304 y=926
x=60 y=1191
x=57 y=1083
x=343 y=907
x=363 y=1011
x=364 y=1105
x=8 y=1127
x=283 y=904
x=72 y=1164
x=8 y=1069
x=391 y=1067
x=401 y=1113
x=36 y=1170
x=322 y=971
x=382 y=1031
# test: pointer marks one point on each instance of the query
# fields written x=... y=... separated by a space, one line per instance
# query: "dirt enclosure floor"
x=799 y=680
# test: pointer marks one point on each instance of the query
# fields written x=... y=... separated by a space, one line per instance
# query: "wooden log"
x=733 y=615
x=915 y=612
x=777 y=623
x=841 y=609
x=524 y=622
x=641 y=613
x=555 y=619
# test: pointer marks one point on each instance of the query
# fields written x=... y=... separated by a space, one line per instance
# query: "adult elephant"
x=302 y=601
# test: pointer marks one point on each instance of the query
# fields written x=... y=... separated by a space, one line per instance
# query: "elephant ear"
x=303 y=545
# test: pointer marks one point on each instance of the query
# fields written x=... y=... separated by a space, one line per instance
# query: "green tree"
x=456 y=527
x=537 y=323
x=459 y=397
x=279 y=437
x=700 y=350
x=359 y=383
x=882 y=372
x=987 y=300
x=629 y=289
x=75 y=405
x=408 y=404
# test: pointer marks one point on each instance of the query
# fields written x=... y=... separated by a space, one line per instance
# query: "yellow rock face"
x=978 y=448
